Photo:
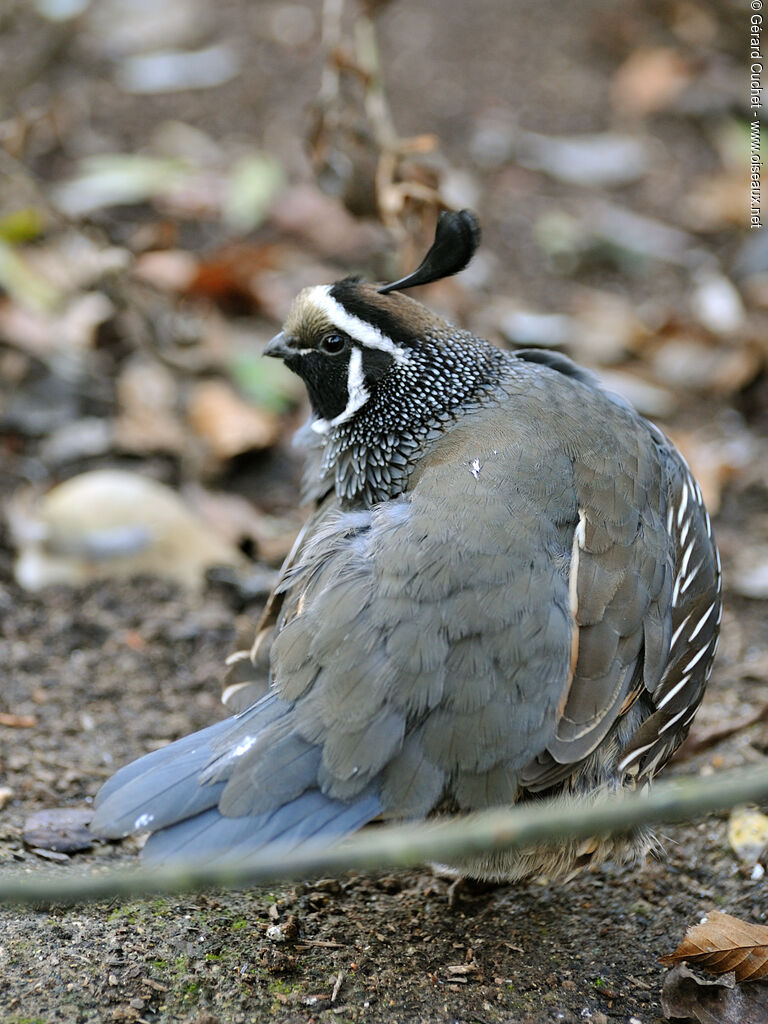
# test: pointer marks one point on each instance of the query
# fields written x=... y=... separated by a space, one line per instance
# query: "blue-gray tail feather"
x=148 y=762
x=175 y=794
x=211 y=838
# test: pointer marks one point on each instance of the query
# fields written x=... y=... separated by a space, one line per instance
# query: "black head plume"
x=457 y=237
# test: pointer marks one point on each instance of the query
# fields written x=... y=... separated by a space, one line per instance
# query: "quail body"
x=508 y=588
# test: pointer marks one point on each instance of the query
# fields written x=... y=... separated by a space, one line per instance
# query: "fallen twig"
x=11 y=721
x=401 y=846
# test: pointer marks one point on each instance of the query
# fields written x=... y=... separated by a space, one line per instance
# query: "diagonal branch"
x=402 y=846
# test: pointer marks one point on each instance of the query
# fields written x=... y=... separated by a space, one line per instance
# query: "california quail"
x=508 y=588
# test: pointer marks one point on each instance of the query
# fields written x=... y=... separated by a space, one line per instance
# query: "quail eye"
x=333 y=344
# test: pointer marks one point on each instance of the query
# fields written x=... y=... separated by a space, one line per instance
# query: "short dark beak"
x=279 y=347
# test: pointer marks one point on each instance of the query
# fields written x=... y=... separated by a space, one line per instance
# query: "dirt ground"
x=109 y=671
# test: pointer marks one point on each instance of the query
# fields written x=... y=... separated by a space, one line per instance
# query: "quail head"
x=507 y=588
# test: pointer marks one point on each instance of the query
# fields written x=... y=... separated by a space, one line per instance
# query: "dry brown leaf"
x=722 y=943
x=606 y=328
x=716 y=201
x=715 y=460
x=324 y=223
x=694 y=363
x=235 y=519
x=649 y=80
x=689 y=997
x=71 y=328
x=170 y=270
x=227 y=424
x=227 y=275
x=147 y=397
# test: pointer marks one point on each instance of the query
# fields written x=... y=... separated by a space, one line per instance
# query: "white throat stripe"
x=356 y=390
x=362 y=332
x=357 y=394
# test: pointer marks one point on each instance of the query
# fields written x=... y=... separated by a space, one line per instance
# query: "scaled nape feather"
x=507 y=590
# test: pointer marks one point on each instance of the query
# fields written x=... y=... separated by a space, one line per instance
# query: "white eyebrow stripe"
x=364 y=333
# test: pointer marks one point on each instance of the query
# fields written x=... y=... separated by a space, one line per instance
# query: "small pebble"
x=286 y=931
x=50 y=854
